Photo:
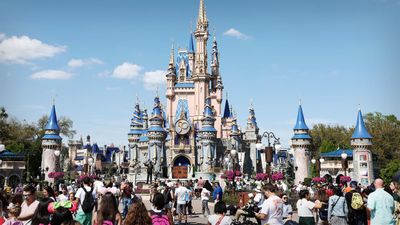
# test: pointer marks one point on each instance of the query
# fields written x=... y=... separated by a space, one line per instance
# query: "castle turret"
x=135 y=133
x=301 y=142
x=362 y=156
x=207 y=135
x=191 y=52
x=201 y=35
x=171 y=75
x=214 y=65
x=251 y=137
x=157 y=136
x=51 y=142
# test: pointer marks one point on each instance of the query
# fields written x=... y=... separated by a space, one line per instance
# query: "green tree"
x=389 y=170
x=385 y=131
x=64 y=123
x=327 y=138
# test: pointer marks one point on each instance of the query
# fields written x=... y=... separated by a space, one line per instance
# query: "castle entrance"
x=181 y=166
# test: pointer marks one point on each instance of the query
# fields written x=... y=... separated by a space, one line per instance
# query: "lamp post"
x=269 y=151
x=344 y=162
x=318 y=163
x=91 y=163
x=57 y=154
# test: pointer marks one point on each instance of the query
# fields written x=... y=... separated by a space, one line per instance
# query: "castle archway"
x=181 y=167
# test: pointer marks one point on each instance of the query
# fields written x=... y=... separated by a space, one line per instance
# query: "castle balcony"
x=179 y=149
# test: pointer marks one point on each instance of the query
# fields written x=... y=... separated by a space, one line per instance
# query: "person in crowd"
x=4 y=202
x=153 y=191
x=137 y=215
x=64 y=195
x=217 y=194
x=42 y=215
x=337 y=208
x=259 y=198
x=287 y=211
x=219 y=216
x=84 y=216
x=206 y=190
x=63 y=216
x=29 y=205
x=305 y=208
x=2 y=217
x=323 y=198
x=381 y=205
x=189 y=198
x=14 y=211
x=271 y=210
x=180 y=196
x=200 y=184
x=126 y=198
x=168 y=198
x=48 y=192
x=108 y=211
x=357 y=214
x=157 y=212
x=247 y=209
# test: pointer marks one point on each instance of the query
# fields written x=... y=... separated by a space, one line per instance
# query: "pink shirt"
x=200 y=183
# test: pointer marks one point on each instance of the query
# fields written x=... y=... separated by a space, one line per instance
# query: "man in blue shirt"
x=217 y=193
x=381 y=205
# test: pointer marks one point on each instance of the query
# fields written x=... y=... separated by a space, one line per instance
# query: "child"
x=13 y=212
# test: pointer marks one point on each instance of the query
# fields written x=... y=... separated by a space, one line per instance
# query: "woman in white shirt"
x=219 y=217
x=305 y=208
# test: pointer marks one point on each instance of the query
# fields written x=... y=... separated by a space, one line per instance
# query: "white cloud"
x=52 y=75
x=126 y=71
x=75 y=63
x=237 y=34
x=154 y=79
x=21 y=50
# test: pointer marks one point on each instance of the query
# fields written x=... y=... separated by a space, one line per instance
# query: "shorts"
x=181 y=209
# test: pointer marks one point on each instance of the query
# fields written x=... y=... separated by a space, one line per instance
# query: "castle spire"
x=360 y=131
x=202 y=14
x=52 y=123
x=300 y=123
x=191 y=43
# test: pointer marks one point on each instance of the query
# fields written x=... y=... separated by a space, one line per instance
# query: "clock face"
x=182 y=126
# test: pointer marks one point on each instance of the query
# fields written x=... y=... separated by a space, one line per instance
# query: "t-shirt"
x=81 y=195
x=259 y=199
x=273 y=208
x=27 y=210
x=62 y=197
x=305 y=207
x=287 y=210
x=213 y=219
x=205 y=194
x=200 y=183
x=217 y=191
x=381 y=205
x=180 y=194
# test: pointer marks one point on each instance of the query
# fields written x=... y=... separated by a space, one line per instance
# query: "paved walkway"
x=197 y=218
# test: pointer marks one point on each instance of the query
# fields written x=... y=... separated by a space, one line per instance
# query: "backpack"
x=323 y=214
x=88 y=202
x=167 y=196
x=357 y=202
x=159 y=218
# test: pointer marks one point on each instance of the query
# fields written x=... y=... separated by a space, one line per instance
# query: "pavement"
x=197 y=218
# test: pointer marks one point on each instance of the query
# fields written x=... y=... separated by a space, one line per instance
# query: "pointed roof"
x=227 y=110
x=191 y=45
x=202 y=13
x=360 y=131
x=52 y=123
x=300 y=123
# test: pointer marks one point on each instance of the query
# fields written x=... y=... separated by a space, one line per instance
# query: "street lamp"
x=269 y=151
x=233 y=157
x=317 y=163
x=91 y=163
x=344 y=162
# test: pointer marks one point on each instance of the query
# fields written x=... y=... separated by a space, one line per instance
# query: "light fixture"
x=313 y=161
x=343 y=155
x=90 y=160
x=259 y=146
x=321 y=160
x=57 y=153
x=278 y=146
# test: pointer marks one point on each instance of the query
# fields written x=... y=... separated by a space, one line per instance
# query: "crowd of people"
x=94 y=202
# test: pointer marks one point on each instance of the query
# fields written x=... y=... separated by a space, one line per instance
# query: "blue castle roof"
x=301 y=136
x=300 y=123
x=227 y=110
x=360 y=131
x=191 y=45
x=52 y=136
x=338 y=153
x=52 y=123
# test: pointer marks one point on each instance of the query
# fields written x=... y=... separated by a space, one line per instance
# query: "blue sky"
x=94 y=57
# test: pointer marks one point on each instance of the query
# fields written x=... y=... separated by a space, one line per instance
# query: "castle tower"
x=362 y=156
x=251 y=137
x=171 y=76
x=191 y=52
x=207 y=135
x=157 y=136
x=301 y=142
x=134 y=134
x=51 y=141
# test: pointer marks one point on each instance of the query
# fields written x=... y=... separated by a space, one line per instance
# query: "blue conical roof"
x=191 y=45
x=52 y=123
x=360 y=131
x=227 y=110
x=300 y=123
